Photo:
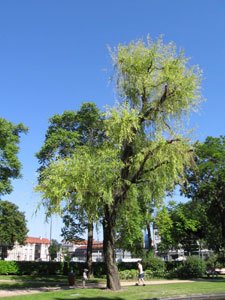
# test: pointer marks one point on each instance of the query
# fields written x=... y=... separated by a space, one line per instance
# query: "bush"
x=128 y=274
x=8 y=267
x=154 y=265
x=193 y=267
x=212 y=262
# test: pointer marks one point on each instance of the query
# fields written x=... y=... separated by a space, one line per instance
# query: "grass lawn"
x=132 y=292
x=27 y=281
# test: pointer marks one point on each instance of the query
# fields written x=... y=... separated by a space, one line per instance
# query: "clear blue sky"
x=53 y=54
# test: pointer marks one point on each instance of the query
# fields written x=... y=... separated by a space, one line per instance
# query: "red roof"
x=33 y=240
x=98 y=246
x=85 y=242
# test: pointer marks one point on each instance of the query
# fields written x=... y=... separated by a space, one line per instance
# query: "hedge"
x=47 y=268
x=63 y=268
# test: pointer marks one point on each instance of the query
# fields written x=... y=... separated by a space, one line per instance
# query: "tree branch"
x=147 y=156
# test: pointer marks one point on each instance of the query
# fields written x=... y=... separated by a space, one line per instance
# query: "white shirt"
x=140 y=268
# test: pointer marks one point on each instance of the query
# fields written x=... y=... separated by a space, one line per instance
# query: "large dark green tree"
x=144 y=144
x=12 y=222
x=12 y=227
x=9 y=164
x=65 y=133
x=206 y=186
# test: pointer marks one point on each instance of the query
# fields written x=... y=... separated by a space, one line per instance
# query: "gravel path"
x=17 y=292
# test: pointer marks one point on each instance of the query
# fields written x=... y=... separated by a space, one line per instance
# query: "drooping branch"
x=140 y=171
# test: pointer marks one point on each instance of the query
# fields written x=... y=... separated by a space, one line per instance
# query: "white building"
x=34 y=249
x=175 y=254
x=78 y=251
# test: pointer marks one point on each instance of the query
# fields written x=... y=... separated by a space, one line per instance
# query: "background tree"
x=143 y=144
x=75 y=223
x=129 y=229
x=9 y=164
x=181 y=226
x=12 y=222
x=65 y=133
x=206 y=186
x=53 y=249
x=12 y=227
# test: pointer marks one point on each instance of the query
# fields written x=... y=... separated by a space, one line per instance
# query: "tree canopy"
x=206 y=186
x=144 y=144
x=53 y=249
x=181 y=226
x=12 y=226
x=9 y=164
x=65 y=133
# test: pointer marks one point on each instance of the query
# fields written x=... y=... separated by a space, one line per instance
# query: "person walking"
x=140 y=274
x=85 y=278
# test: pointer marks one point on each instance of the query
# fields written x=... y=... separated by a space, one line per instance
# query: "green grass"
x=130 y=293
x=31 y=278
x=26 y=281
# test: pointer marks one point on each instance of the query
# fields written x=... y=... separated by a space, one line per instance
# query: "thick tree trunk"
x=89 y=249
x=113 y=280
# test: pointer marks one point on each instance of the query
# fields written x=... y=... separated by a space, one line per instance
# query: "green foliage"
x=154 y=264
x=66 y=132
x=48 y=268
x=69 y=130
x=180 y=225
x=75 y=221
x=159 y=78
x=8 y=267
x=193 y=267
x=212 y=261
x=206 y=187
x=142 y=70
x=53 y=249
x=12 y=225
x=128 y=274
x=129 y=228
x=30 y=268
x=143 y=146
x=9 y=164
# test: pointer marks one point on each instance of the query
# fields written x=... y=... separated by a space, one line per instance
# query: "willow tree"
x=144 y=145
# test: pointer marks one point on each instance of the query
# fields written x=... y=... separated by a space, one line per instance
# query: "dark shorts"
x=141 y=275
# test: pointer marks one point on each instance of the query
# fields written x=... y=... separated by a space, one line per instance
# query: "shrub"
x=193 y=267
x=128 y=274
x=154 y=265
x=8 y=267
x=212 y=262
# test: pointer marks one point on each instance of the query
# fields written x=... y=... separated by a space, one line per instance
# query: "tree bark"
x=89 y=249
x=113 y=280
x=3 y=252
x=150 y=248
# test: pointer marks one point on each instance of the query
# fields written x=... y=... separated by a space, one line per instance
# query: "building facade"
x=35 y=249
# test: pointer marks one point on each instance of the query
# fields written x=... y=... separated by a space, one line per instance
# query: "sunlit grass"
x=132 y=292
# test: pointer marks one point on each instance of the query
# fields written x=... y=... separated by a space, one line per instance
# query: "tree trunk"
x=150 y=248
x=113 y=280
x=89 y=249
x=3 y=252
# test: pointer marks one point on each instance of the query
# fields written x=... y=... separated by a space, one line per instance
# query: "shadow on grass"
x=26 y=285
x=88 y=298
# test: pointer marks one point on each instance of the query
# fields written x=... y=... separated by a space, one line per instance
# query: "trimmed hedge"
x=31 y=268
x=8 y=267
x=47 y=268
x=152 y=268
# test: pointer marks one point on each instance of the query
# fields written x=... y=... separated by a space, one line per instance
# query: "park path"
x=18 y=292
